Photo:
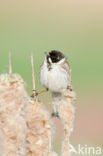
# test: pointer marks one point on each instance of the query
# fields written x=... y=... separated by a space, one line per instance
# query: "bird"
x=55 y=76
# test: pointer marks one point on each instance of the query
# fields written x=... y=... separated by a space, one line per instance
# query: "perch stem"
x=33 y=77
x=10 y=65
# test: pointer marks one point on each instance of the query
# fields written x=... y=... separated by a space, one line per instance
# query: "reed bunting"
x=55 y=76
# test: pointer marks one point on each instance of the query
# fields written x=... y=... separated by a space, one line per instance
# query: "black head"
x=55 y=56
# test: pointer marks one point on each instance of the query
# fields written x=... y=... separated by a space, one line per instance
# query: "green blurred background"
x=74 y=27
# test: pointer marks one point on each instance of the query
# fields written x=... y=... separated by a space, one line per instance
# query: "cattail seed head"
x=39 y=130
x=66 y=112
x=13 y=100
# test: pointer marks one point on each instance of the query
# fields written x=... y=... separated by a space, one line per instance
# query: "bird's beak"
x=46 y=53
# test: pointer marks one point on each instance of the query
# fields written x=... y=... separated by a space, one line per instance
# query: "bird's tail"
x=56 y=98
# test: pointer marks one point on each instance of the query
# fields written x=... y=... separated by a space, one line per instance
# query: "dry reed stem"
x=33 y=78
x=13 y=100
x=66 y=112
x=10 y=65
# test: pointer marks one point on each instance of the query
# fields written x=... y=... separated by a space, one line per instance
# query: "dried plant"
x=39 y=130
x=26 y=127
x=2 y=142
x=66 y=112
x=13 y=100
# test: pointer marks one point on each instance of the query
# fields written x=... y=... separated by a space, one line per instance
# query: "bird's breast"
x=55 y=79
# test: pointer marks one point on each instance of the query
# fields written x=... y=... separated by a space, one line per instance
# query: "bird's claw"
x=70 y=88
x=55 y=114
x=34 y=94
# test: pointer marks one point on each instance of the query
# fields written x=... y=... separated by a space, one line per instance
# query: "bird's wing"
x=67 y=68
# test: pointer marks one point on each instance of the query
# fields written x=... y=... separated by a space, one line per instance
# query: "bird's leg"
x=34 y=93
x=43 y=91
x=55 y=111
x=70 y=88
x=55 y=114
x=37 y=93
